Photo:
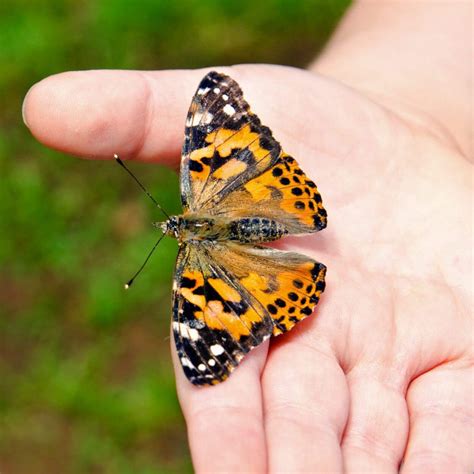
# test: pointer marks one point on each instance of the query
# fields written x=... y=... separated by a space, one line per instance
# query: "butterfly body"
x=239 y=189
x=191 y=228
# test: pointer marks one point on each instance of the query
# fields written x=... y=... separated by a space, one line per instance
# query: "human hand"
x=382 y=372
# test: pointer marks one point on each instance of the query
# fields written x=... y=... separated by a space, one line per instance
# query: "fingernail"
x=23 y=107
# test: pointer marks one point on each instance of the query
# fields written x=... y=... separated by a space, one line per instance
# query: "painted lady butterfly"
x=238 y=190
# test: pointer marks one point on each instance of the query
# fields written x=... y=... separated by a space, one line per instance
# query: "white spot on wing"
x=225 y=96
x=217 y=349
x=186 y=331
x=203 y=91
x=199 y=119
x=216 y=90
x=202 y=367
x=186 y=362
x=229 y=110
x=211 y=362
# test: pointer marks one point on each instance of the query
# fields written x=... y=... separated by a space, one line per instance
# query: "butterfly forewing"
x=225 y=143
x=282 y=193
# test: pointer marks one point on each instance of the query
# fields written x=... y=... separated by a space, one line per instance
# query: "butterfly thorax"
x=190 y=227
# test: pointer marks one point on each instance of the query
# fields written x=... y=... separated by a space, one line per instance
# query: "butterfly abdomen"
x=245 y=230
x=255 y=229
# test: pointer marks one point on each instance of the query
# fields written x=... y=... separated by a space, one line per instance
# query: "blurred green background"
x=86 y=383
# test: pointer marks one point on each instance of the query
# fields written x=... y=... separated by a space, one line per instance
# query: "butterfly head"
x=171 y=227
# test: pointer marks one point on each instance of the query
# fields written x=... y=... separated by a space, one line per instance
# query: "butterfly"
x=239 y=190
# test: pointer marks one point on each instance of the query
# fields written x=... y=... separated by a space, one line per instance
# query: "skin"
x=382 y=375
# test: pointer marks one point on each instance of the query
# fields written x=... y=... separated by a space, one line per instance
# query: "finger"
x=377 y=429
x=305 y=401
x=141 y=114
x=98 y=113
x=441 y=422
x=225 y=421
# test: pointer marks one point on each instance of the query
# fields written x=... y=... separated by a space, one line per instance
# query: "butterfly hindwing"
x=282 y=193
x=286 y=285
x=223 y=310
x=225 y=143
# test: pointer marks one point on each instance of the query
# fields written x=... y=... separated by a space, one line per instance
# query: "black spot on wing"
x=293 y=296
x=277 y=171
x=298 y=283
x=272 y=309
x=195 y=165
x=187 y=282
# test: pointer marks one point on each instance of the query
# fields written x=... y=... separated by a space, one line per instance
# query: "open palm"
x=381 y=373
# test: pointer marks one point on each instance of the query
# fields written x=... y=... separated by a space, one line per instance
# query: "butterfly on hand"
x=239 y=190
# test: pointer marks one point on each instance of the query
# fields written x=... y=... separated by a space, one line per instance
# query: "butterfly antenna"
x=130 y=282
x=122 y=164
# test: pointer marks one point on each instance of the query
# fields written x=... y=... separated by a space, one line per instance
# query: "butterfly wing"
x=287 y=285
x=232 y=166
x=225 y=143
x=215 y=322
x=229 y=298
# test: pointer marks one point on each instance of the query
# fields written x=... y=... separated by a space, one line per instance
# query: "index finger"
x=95 y=114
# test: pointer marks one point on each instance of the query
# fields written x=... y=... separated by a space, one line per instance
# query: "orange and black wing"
x=229 y=298
x=225 y=143
x=287 y=285
x=232 y=166
x=283 y=193
x=214 y=323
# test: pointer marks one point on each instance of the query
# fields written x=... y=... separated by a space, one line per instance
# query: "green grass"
x=85 y=374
